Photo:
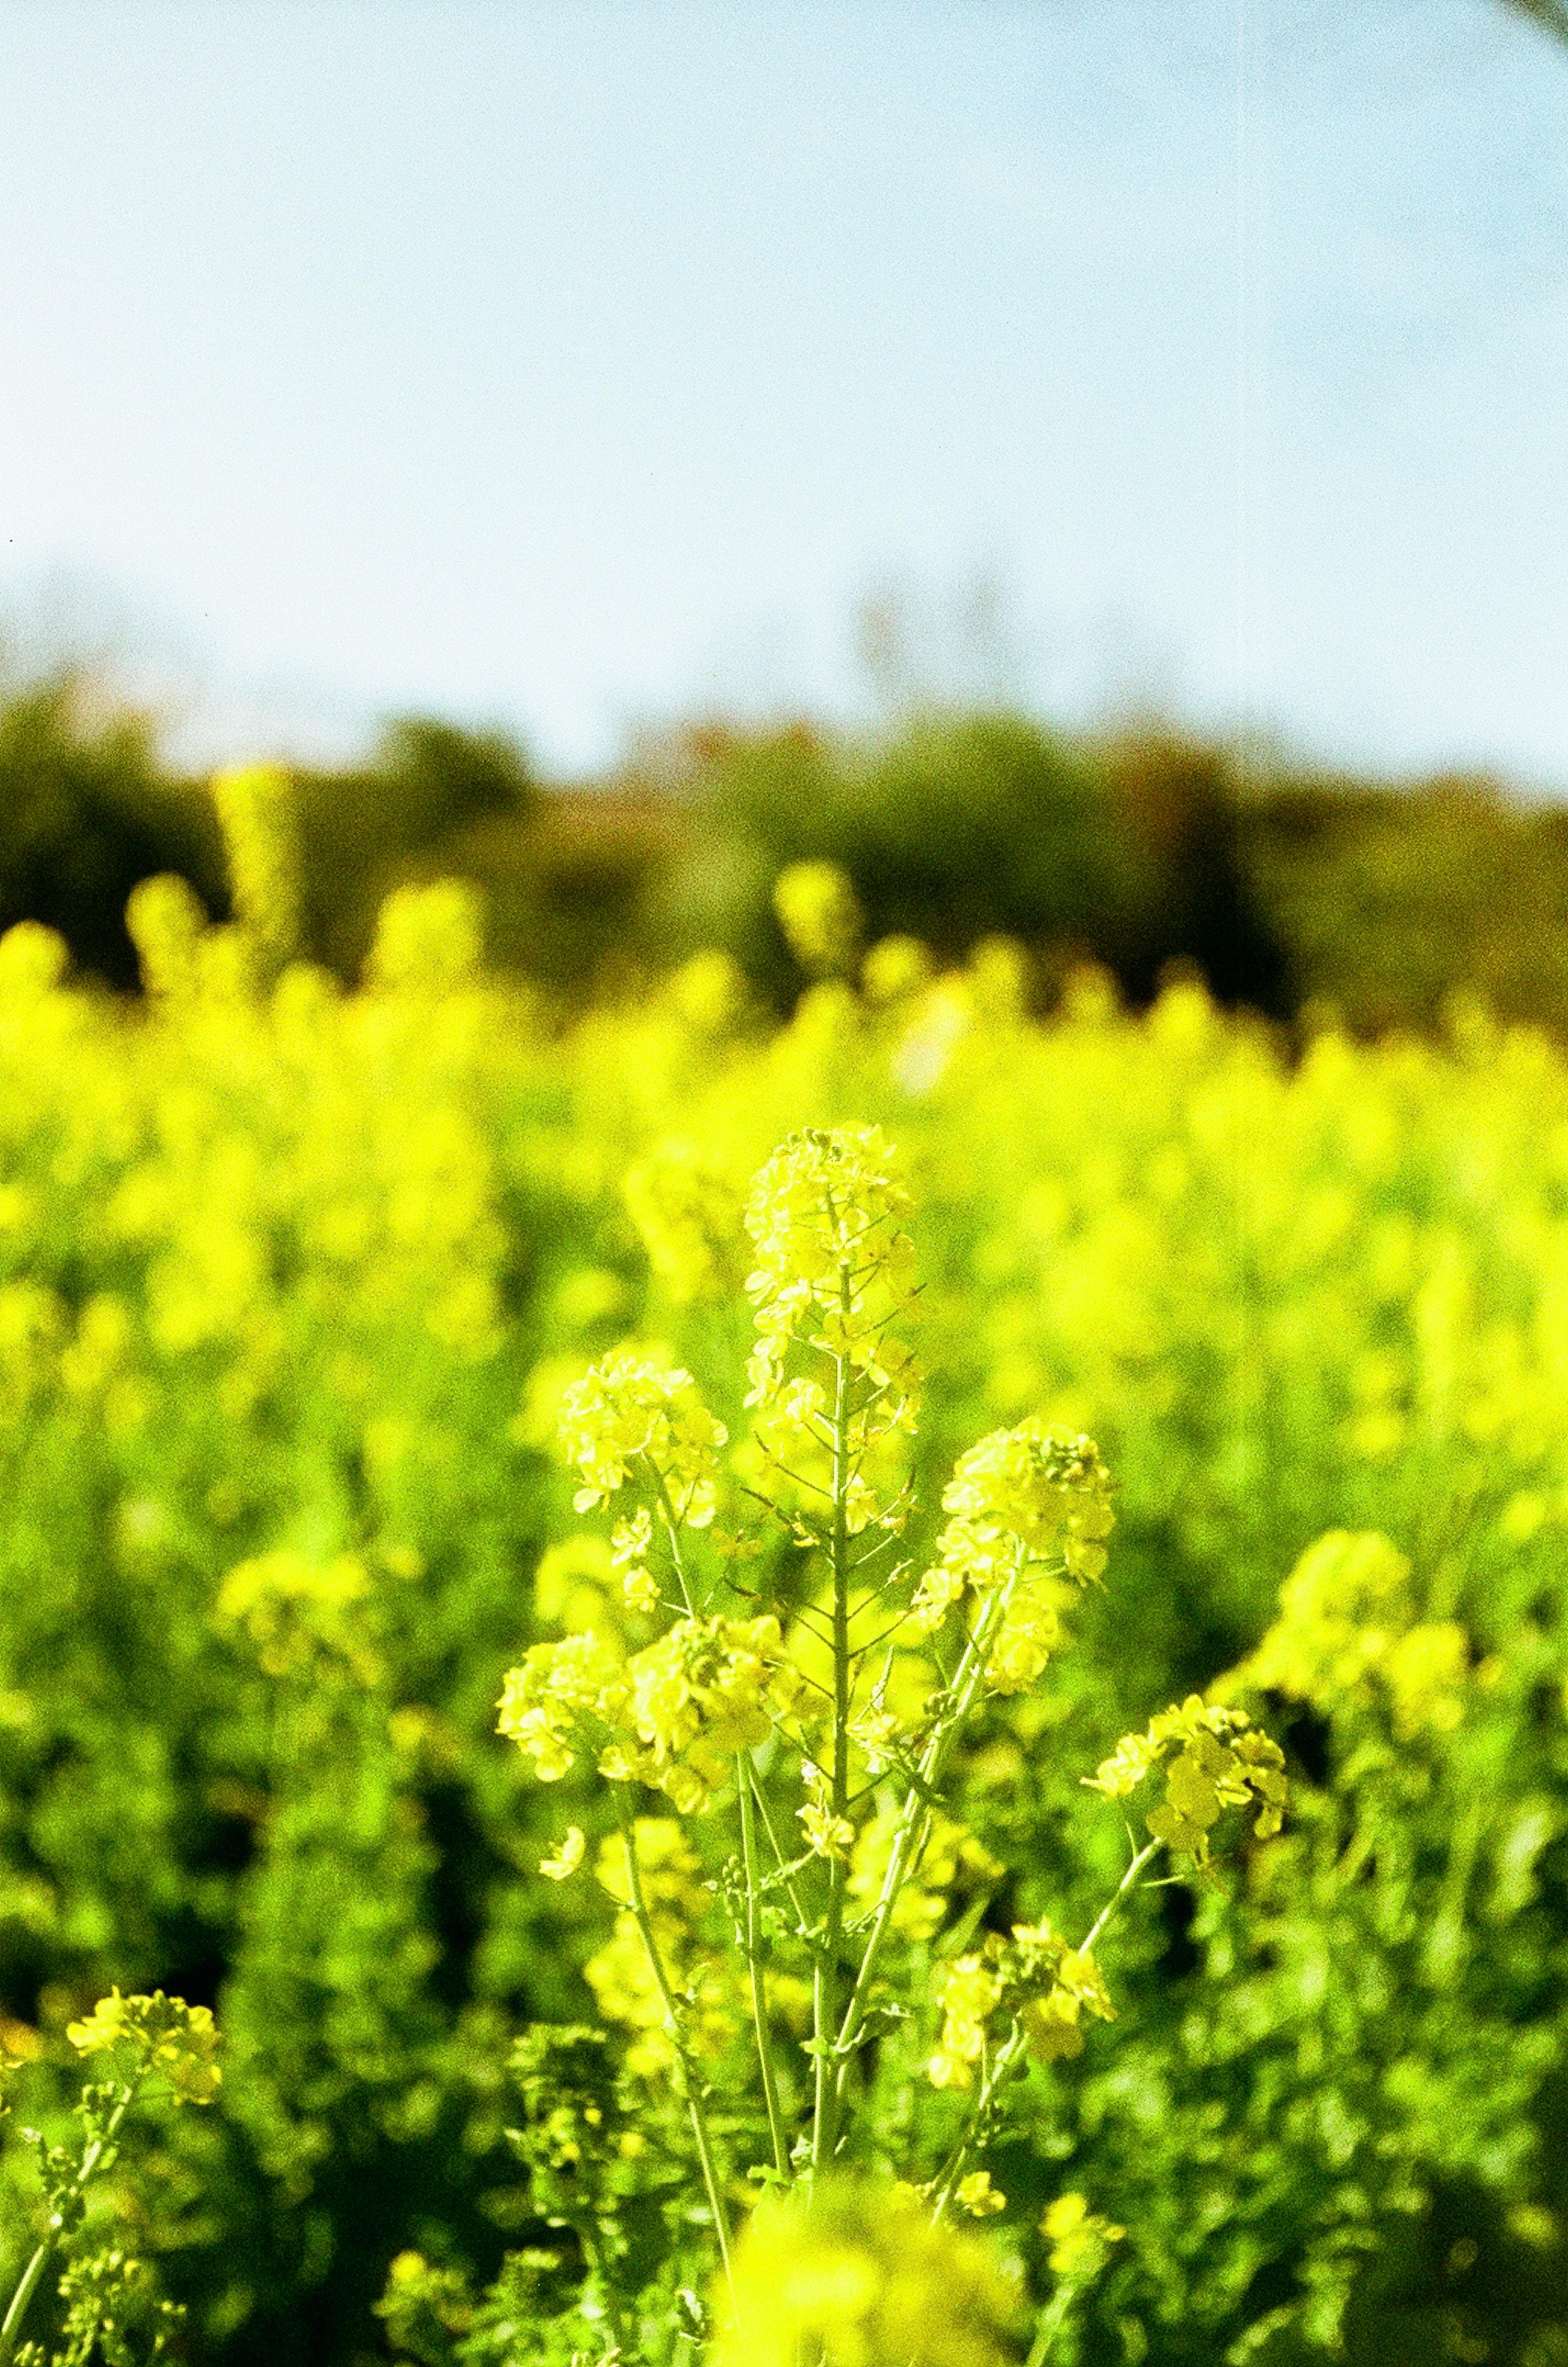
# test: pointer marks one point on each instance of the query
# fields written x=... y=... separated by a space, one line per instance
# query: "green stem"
x=1050 y=2319
x=828 y=2087
x=596 y=2253
x=672 y=1537
x=32 y=2275
x=1006 y=2054
x=965 y=1687
x=791 y=1893
x=754 y=1960
x=1096 y=1928
x=690 y=2079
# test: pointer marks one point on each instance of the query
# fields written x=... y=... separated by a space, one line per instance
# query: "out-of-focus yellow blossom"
x=160 y=2035
x=165 y=923
x=820 y=915
x=573 y=1584
x=1214 y=1758
x=302 y=1615
x=1348 y=1625
x=1427 y=1671
x=1080 y=2238
x=257 y=810
x=689 y=1215
x=428 y=939
x=951 y=1863
x=668 y=1866
x=630 y=1411
x=894 y=968
x=856 y=2278
x=976 y=2195
x=710 y=990
x=620 y=1975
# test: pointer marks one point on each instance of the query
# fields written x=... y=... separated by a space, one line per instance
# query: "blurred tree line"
x=1137 y=849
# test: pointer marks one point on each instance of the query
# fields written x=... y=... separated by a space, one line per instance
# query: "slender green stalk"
x=672 y=1537
x=754 y=1963
x=1001 y=2064
x=965 y=1687
x=32 y=2275
x=825 y=1982
x=690 y=2079
x=1096 y=1930
x=787 y=1878
x=1050 y=2326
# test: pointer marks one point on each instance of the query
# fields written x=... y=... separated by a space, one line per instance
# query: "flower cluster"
x=302 y=1615
x=1030 y=1495
x=573 y=2121
x=161 y=2035
x=1035 y=1981
x=1347 y=1624
x=560 y=1699
x=631 y=1543
x=1080 y=2238
x=706 y=1690
x=673 y=1715
x=631 y=1413
x=857 y=2278
x=1214 y=1758
x=834 y=1266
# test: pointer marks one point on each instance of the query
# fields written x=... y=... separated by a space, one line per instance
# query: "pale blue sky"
x=582 y=364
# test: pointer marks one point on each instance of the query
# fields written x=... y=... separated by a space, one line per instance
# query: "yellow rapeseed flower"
x=857 y=2278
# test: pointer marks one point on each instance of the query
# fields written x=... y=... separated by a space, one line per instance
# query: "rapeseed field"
x=375 y=1363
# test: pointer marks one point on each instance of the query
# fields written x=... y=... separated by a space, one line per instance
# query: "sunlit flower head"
x=632 y=1414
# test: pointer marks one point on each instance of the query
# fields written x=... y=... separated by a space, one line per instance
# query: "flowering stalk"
x=149 y=2039
x=65 y=2208
x=1001 y=2064
x=997 y=2071
x=867 y=1741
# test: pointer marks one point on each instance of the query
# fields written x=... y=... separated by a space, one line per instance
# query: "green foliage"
x=364 y=831
x=85 y=811
x=951 y=829
x=1138 y=849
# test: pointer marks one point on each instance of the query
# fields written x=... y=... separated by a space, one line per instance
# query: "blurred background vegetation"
x=1140 y=847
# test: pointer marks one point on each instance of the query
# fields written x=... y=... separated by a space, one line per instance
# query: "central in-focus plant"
x=794 y=1681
